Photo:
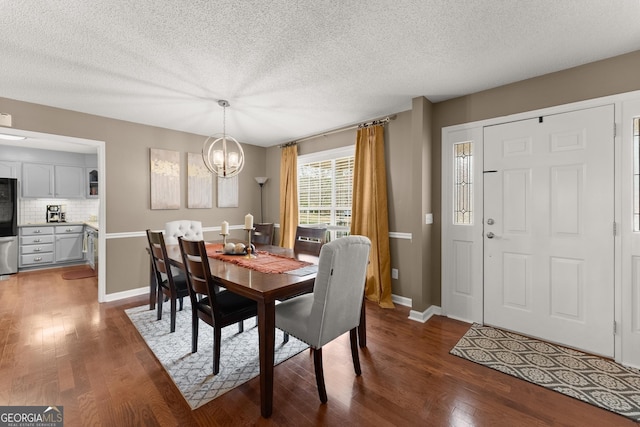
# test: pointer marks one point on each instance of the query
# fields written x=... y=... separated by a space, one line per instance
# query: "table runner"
x=264 y=261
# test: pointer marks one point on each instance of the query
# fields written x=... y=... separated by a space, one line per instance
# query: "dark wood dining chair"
x=309 y=240
x=215 y=306
x=335 y=305
x=263 y=234
x=169 y=285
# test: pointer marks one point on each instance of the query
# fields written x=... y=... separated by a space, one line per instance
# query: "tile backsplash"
x=33 y=211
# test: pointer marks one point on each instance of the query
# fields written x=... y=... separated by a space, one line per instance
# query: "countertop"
x=91 y=224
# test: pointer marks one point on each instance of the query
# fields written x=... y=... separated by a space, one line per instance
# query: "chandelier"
x=223 y=155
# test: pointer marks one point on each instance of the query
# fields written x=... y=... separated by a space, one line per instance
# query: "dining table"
x=265 y=289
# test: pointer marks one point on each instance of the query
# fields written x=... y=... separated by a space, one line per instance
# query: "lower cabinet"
x=51 y=244
x=69 y=243
x=36 y=246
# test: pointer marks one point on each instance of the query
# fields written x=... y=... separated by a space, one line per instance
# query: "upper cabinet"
x=37 y=180
x=69 y=182
x=44 y=180
x=92 y=182
x=9 y=169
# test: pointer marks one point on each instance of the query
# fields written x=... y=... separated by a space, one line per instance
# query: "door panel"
x=548 y=228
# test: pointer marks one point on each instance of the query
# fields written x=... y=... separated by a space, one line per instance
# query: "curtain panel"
x=288 y=195
x=369 y=214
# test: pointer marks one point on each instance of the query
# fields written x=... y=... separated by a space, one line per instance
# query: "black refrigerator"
x=8 y=226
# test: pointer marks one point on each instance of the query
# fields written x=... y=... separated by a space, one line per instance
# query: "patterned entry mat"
x=192 y=372
x=592 y=379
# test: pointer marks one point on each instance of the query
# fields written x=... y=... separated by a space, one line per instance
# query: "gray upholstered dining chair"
x=191 y=230
x=334 y=306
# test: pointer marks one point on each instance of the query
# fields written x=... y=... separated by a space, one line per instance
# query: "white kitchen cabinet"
x=69 y=243
x=36 y=246
x=52 y=181
x=69 y=182
x=37 y=180
x=9 y=169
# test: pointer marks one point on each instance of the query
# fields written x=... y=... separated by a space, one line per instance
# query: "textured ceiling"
x=290 y=69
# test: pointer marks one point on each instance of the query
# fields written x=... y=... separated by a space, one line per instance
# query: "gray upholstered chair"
x=334 y=306
x=190 y=230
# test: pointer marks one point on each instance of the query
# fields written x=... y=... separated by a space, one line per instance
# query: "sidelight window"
x=463 y=183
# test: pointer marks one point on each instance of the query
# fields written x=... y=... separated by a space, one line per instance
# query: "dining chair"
x=309 y=240
x=186 y=228
x=170 y=286
x=335 y=305
x=210 y=303
x=262 y=234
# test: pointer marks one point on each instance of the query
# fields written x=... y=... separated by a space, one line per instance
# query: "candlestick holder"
x=224 y=239
x=249 y=254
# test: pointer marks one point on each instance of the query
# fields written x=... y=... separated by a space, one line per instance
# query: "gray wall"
x=413 y=150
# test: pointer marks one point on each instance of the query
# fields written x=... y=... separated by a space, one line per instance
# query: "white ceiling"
x=289 y=68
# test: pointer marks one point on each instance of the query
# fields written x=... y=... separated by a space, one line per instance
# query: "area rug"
x=592 y=379
x=192 y=373
x=79 y=274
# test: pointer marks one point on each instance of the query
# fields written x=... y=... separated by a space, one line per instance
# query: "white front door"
x=548 y=228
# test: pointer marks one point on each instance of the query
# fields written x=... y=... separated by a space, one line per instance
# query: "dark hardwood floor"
x=60 y=347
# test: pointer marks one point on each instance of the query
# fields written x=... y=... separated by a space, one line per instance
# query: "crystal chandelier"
x=223 y=155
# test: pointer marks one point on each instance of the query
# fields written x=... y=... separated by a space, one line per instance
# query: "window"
x=325 y=183
x=463 y=183
x=636 y=174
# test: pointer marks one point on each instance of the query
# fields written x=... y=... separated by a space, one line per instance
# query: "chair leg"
x=317 y=363
x=181 y=304
x=353 y=335
x=173 y=314
x=285 y=338
x=241 y=326
x=217 y=337
x=194 y=332
x=159 y=303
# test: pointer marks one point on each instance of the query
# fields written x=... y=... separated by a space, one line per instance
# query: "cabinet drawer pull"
x=69 y=230
x=37 y=249
x=38 y=258
x=36 y=231
x=37 y=240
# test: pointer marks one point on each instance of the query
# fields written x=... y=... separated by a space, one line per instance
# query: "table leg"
x=266 y=332
x=153 y=286
x=362 y=329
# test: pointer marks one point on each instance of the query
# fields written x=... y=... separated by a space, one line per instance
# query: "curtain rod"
x=382 y=121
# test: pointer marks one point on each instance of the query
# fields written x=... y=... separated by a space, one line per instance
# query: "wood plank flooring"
x=60 y=347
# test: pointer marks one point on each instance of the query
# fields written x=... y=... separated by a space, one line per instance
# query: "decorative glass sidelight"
x=463 y=183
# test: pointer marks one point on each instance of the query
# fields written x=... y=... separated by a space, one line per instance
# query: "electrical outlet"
x=428 y=218
x=394 y=273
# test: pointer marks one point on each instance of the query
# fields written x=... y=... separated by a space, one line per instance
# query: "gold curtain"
x=369 y=214
x=288 y=195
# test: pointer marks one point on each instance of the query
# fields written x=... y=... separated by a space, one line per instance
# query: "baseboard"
x=422 y=317
x=126 y=294
x=397 y=299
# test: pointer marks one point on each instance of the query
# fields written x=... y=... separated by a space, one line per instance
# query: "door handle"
x=490 y=235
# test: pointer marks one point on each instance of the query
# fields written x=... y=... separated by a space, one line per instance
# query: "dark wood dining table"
x=265 y=289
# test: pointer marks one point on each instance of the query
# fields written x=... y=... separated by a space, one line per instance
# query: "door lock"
x=490 y=221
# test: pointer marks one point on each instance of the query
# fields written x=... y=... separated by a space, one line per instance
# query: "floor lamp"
x=261 y=180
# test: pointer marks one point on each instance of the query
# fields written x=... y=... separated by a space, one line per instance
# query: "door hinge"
x=615 y=327
x=615 y=229
x=615 y=130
